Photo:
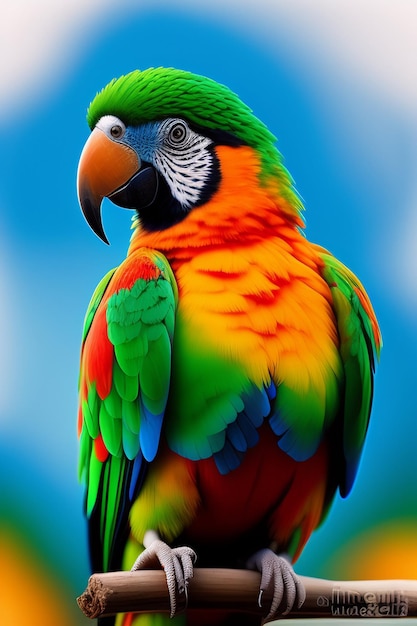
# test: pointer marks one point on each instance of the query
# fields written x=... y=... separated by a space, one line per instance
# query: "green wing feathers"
x=124 y=385
x=360 y=343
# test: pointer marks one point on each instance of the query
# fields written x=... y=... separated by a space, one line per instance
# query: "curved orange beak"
x=106 y=168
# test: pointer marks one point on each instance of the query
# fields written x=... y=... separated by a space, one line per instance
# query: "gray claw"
x=178 y=564
x=279 y=578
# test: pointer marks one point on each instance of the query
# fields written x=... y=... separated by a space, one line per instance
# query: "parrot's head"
x=153 y=145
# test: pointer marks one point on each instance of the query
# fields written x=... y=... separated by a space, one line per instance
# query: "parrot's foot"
x=178 y=564
x=278 y=578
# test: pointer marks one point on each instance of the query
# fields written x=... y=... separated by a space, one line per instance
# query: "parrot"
x=227 y=364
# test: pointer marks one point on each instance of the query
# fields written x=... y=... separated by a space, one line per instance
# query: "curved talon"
x=177 y=563
x=186 y=596
x=277 y=576
x=260 y=598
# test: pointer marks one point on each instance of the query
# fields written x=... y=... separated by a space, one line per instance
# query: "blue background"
x=354 y=172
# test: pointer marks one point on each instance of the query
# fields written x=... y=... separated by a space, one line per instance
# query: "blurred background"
x=337 y=84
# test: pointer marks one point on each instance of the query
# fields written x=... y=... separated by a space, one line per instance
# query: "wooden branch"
x=146 y=591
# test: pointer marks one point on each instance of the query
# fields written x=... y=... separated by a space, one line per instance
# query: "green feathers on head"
x=158 y=93
x=152 y=94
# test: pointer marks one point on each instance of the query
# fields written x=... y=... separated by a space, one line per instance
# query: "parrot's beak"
x=112 y=169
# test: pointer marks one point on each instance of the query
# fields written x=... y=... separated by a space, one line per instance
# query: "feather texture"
x=123 y=389
x=227 y=364
x=360 y=344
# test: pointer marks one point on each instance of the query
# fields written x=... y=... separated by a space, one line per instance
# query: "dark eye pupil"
x=116 y=131
x=178 y=133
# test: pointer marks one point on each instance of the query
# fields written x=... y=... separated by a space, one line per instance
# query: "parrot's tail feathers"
x=136 y=478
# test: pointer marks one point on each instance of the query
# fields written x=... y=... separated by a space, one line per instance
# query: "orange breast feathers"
x=249 y=282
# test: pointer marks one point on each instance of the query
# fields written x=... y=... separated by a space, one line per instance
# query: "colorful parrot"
x=227 y=363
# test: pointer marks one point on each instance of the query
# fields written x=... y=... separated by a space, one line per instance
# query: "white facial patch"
x=181 y=155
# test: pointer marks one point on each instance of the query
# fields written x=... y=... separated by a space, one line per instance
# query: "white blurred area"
x=372 y=39
x=39 y=40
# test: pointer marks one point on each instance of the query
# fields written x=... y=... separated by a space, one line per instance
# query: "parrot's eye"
x=178 y=132
x=116 y=131
x=112 y=126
